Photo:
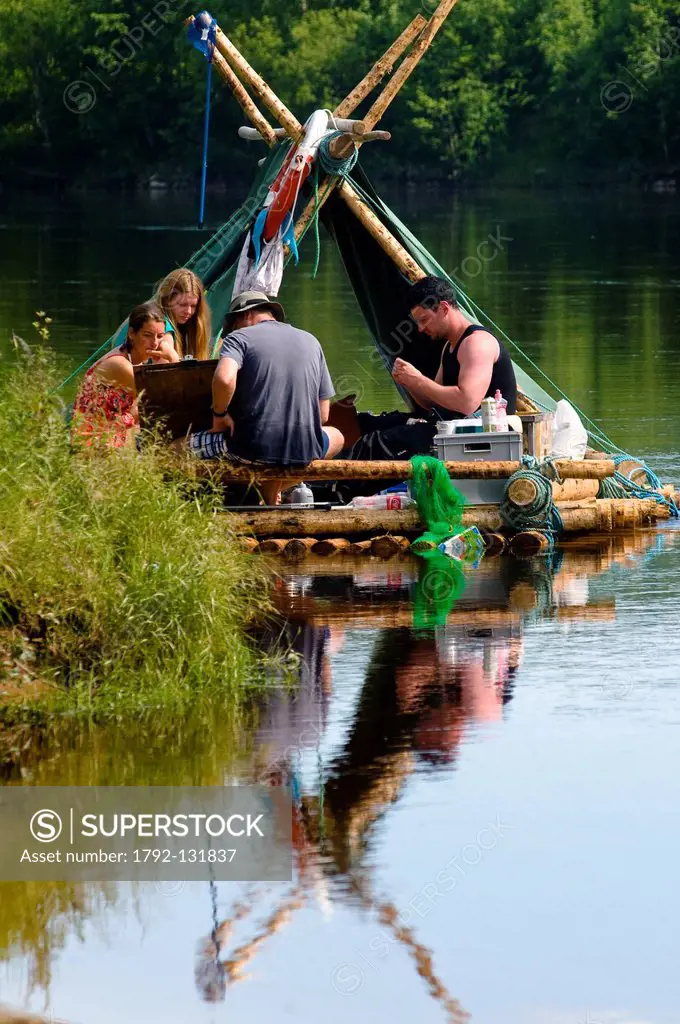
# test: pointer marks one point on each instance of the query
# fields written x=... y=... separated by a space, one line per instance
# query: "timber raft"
x=297 y=531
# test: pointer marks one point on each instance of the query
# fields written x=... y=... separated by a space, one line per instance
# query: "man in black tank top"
x=474 y=364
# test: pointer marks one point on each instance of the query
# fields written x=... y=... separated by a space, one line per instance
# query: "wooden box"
x=178 y=393
x=538 y=431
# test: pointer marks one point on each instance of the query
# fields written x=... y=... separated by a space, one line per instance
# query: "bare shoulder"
x=480 y=345
x=116 y=369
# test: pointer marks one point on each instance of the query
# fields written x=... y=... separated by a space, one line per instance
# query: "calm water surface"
x=489 y=795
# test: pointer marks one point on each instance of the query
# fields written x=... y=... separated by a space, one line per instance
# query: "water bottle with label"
x=383 y=501
x=467 y=546
x=489 y=415
x=501 y=412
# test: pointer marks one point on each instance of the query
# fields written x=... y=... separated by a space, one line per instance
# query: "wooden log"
x=529 y=542
x=575 y=490
x=259 y=121
x=347 y=521
x=426 y=32
x=495 y=544
x=577 y=517
x=299 y=547
x=272 y=546
x=385 y=239
x=522 y=493
x=278 y=110
x=342 y=146
x=359 y=547
x=409 y=64
x=381 y=68
x=249 y=544
x=346 y=469
x=387 y=546
x=333 y=546
x=419 y=546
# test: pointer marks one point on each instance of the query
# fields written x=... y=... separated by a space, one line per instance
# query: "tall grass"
x=130 y=590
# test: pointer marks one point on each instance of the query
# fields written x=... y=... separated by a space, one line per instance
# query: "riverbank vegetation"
x=109 y=91
x=119 y=589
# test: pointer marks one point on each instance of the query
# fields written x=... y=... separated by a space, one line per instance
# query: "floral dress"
x=103 y=412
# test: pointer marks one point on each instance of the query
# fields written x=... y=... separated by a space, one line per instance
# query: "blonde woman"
x=181 y=296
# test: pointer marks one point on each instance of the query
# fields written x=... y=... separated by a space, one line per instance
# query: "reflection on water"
x=437 y=785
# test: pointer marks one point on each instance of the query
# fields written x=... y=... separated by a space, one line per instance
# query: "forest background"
x=109 y=92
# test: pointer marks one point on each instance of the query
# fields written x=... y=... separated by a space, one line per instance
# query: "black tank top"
x=502 y=378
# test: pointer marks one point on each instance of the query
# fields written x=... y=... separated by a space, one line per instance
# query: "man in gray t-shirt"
x=271 y=390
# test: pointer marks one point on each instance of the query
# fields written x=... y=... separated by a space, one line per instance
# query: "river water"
x=487 y=791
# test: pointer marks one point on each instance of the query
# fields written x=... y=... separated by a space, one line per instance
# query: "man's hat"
x=255 y=300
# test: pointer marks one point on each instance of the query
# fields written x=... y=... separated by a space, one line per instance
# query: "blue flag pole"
x=206 y=129
x=202 y=33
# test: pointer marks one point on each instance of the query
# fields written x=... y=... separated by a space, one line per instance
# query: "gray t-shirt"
x=282 y=377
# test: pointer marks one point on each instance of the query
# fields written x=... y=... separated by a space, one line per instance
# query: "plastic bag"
x=570 y=437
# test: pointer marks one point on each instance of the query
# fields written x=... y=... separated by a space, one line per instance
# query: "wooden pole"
x=259 y=121
x=410 y=63
x=347 y=469
x=382 y=235
x=267 y=96
x=385 y=239
x=380 y=68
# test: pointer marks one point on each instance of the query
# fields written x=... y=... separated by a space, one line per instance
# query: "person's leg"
x=271 y=491
x=334 y=442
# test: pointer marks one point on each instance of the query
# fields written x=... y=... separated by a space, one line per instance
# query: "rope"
x=330 y=164
x=206 y=132
x=317 y=233
x=622 y=486
x=541 y=514
x=333 y=168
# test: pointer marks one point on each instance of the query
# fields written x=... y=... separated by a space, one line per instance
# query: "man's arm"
x=325 y=407
x=476 y=356
x=223 y=388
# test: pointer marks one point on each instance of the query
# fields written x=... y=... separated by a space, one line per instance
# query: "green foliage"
x=129 y=591
x=564 y=82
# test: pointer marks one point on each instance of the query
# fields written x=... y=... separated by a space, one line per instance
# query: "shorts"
x=205 y=445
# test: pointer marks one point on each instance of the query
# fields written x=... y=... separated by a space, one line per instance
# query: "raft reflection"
x=422 y=689
x=347 y=750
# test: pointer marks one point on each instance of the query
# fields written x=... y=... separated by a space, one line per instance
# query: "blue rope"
x=330 y=164
x=206 y=130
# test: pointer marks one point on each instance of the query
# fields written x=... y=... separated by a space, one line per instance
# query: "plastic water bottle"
x=489 y=415
x=302 y=495
x=383 y=501
x=467 y=547
x=501 y=413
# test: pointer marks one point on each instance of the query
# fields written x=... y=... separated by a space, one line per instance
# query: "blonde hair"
x=194 y=338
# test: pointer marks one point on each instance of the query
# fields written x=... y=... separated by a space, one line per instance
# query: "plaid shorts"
x=206 y=445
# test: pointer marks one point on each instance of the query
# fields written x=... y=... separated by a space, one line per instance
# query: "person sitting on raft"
x=474 y=364
x=105 y=408
x=181 y=296
x=271 y=393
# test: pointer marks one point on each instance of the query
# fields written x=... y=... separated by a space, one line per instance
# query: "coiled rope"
x=541 y=515
x=621 y=486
